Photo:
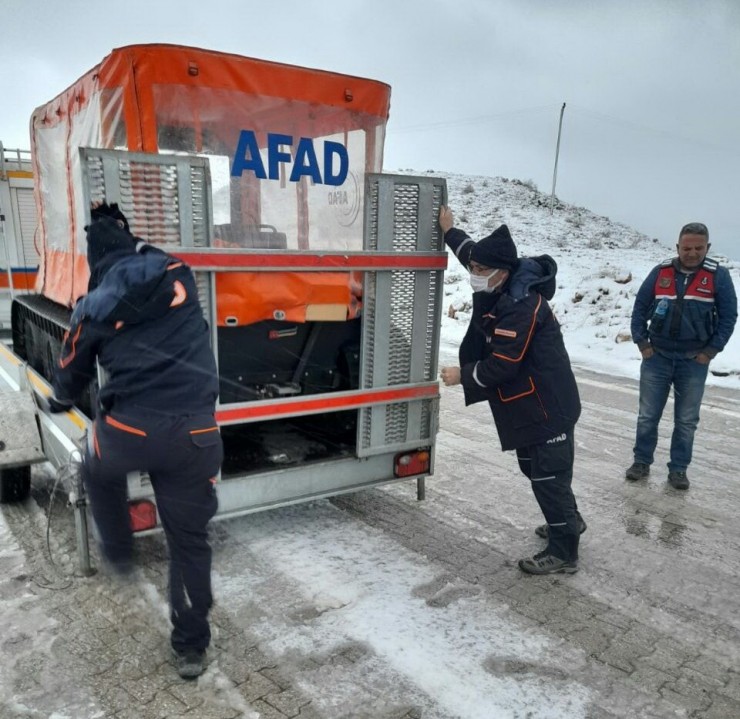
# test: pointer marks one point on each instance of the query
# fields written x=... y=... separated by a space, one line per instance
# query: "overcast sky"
x=651 y=130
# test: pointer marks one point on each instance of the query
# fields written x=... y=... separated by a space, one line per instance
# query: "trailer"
x=319 y=275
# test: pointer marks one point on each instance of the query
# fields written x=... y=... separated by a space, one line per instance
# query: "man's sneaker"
x=678 y=480
x=190 y=663
x=639 y=470
x=544 y=563
x=544 y=531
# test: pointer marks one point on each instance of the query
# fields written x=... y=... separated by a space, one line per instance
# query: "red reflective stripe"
x=22 y=279
x=250 y=260
x=124 y=427
x=304 y=406
x=201 y=431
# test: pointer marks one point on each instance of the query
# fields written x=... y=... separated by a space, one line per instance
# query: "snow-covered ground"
x=601 y=265
x=302 y=580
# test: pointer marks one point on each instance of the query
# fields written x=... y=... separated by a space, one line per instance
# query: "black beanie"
x=105 y=210
x=496 y=251
x=105 y=237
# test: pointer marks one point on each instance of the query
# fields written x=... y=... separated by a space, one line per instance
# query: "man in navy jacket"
x=142 y=323
x=684 y=314
x=513 y=356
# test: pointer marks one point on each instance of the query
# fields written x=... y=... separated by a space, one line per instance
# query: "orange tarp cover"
x=173 y=65
x=139 y=93
x=247 y=297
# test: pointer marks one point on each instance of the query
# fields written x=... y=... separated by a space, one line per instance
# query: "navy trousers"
x=182 y=456
x=549 y=467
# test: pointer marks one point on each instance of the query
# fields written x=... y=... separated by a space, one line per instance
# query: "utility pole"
x=557 y=153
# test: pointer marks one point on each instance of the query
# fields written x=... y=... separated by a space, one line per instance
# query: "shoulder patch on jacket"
x=666 y=263
x=710 y=265
x=504 y=333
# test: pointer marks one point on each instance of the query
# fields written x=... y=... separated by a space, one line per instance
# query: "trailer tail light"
x=142 y=514
x=411 y=463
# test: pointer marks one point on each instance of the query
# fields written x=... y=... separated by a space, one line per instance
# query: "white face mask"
x=479 y=283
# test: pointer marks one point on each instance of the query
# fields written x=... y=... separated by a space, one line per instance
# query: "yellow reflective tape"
x=9 y=355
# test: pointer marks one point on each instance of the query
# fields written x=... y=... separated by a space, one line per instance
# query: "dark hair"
x=694 y=228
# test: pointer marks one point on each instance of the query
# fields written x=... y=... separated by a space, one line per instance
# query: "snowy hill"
x=601 y=265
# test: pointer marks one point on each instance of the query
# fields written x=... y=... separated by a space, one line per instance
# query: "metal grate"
x=401 y=309
x=149 y=199
x=27 y=225
x=432 y=328
x=93 y=169
x=164 y=197
x=368 y=333
x=371 y=217
x=396 y=423
x=405 y=217
x=203 y=285
x=401 y=327
x=428 y=408
x=199 y=192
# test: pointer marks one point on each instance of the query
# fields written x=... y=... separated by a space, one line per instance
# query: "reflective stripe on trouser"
x=549 y=467
x=181 y=455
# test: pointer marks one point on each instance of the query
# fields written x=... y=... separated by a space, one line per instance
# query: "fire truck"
x=320 y=275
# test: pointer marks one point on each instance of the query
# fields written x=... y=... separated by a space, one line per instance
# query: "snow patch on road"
x=355 y=586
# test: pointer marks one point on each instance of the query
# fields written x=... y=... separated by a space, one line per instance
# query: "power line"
x=581 y=111
x=652 y=130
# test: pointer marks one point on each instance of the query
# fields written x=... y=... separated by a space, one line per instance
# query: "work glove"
x=98 y=212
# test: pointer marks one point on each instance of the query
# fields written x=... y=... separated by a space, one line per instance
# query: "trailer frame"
x=397 y=400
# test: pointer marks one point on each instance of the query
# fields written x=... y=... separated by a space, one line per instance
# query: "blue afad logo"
x=304 y=161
